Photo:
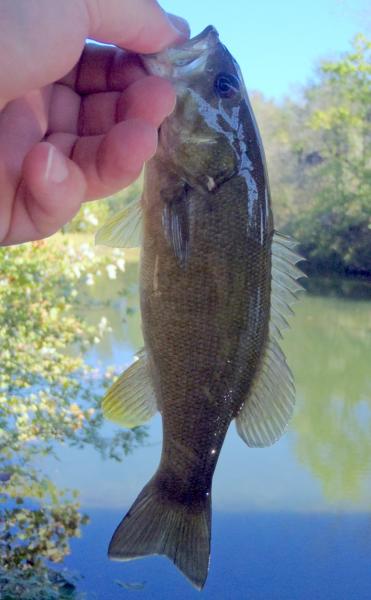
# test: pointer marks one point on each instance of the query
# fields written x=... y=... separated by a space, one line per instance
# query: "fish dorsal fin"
x=124 y=229
x=131 y=400
x=270 y=402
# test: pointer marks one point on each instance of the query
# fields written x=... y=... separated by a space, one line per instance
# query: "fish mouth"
x=204 y=41
x=177 y=61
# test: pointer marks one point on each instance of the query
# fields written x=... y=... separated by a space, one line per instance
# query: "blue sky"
x=278 y=42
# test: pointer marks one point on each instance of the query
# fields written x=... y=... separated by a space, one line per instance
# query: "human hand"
x=77 y=120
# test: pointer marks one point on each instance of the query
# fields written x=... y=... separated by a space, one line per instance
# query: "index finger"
x=138 y=25
x=104 y=68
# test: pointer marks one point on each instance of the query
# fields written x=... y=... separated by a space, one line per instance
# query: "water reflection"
x=337 y=287
x=330 y=355
x=121 y=297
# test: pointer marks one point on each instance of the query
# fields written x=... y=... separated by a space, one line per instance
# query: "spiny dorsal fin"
x=270 y=403
x=124 y=229
x=131 y=400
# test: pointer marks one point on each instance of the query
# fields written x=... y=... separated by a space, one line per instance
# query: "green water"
x=329 y=350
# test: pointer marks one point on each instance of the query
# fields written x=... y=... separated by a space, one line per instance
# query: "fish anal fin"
x=131 y=400
x=270 y=402
x=269 y=405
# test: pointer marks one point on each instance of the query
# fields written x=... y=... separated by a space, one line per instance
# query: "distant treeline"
x=318 y=149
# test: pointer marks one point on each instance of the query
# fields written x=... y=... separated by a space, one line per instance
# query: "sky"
x=278 y=42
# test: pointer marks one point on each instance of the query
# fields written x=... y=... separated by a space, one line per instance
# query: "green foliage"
x=319 y=156
x=48 y=394
x=37 y=584
x=29 y=538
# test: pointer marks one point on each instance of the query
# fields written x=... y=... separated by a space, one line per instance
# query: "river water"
x=290 y=522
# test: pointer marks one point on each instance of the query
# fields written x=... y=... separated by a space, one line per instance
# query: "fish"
x=217 y=283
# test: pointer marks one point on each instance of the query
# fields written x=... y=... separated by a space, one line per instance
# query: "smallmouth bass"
x=216 y=285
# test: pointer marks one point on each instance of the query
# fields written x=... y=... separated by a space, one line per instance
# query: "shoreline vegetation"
x=319 y=160
x=49 y=397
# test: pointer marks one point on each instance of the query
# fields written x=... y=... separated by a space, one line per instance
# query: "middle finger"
x=150 y=98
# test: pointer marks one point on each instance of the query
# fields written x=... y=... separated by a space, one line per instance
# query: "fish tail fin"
x=156 y=524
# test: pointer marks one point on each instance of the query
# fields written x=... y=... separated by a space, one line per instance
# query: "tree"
x=47 y=395
x=334 y=165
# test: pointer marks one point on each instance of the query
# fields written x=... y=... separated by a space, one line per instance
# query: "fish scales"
x=201 y=323
x=211 y=304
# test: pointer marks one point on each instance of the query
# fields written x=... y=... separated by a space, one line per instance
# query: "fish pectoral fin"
x=124 y=229
x=131 y=400
x=176 y=224
x=270 y=402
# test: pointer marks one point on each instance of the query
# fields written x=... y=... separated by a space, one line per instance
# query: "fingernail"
x=56 y=166
x=181 y=25
x=172 y=106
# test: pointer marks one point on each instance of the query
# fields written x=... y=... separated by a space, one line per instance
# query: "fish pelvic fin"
x=270 y=402
x=156 y=525
x=131 y=400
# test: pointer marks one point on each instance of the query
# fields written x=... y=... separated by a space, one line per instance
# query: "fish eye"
x=226 y=85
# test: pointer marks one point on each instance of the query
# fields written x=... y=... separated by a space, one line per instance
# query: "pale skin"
x=77 y=120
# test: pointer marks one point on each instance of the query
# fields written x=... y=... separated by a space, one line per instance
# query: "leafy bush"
x=48 y=394
x=319 y=159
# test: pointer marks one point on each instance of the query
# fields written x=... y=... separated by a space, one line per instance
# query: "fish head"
x=203 y=139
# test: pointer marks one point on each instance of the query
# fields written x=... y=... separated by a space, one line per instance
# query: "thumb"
x=137 y=25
